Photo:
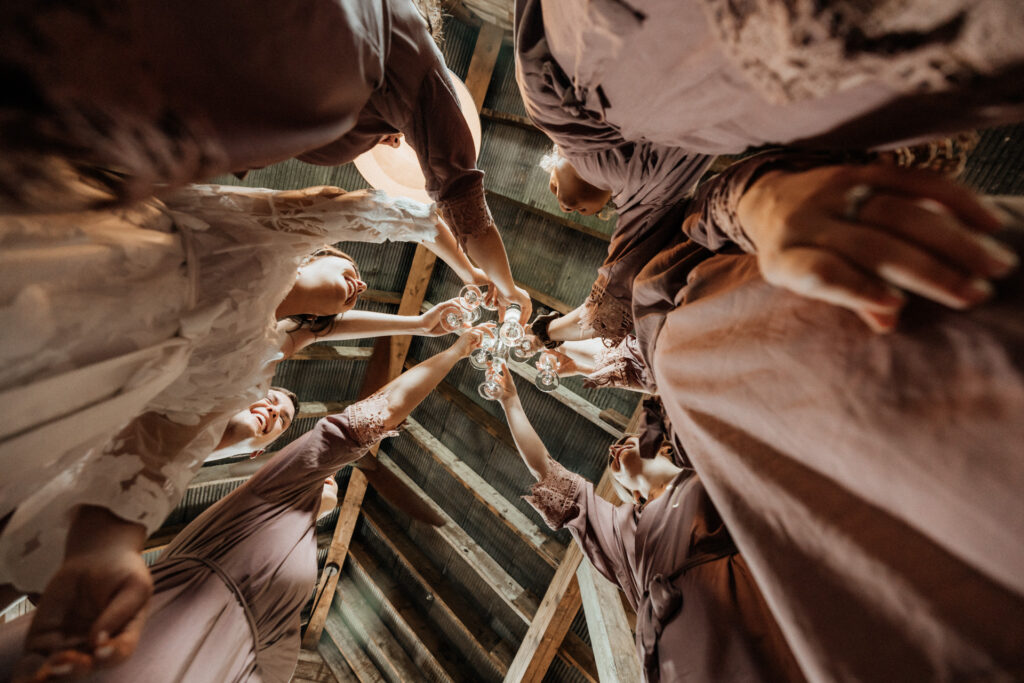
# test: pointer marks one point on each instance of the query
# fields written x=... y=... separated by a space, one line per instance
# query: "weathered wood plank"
x=358 y=662
x=347 y=518
x=477 y=641
x=554 y=218
x=335 y=661
x=613 y=645
x=381 y=297
x=481 y=65
x=436 y=658
x=550 y=624
x=514 y=119
x=373 y=636
x=522 y=526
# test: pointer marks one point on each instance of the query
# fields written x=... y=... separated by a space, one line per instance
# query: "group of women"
x=832 y=490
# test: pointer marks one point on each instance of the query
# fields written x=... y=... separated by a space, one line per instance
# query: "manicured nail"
x=1005 y=257
x=979 y=290
x=102 y=637
x=104 y=652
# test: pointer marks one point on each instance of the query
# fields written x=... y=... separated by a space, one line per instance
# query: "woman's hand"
x=430 y=321
x=508 y=387
x=855 y=236
x=470 y=340
x=90 y=616
x=517 y=296
x=564 y=365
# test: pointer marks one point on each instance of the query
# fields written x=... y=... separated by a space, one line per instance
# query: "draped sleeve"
x=336 y=440
x=649 y=184
x=621 y=367
x=325 y=212
x=566 y=500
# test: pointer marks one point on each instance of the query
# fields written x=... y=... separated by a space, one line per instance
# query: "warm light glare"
x=397 y=170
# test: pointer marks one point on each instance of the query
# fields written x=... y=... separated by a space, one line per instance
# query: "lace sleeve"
x=555 y=496
x=606 y=315
x=468 y=214
x=329 y=213
x=620 y=367
x=366 y=420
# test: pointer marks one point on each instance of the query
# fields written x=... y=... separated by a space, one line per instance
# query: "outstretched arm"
x=531 y=448
x=362 y=324
x=447 y=248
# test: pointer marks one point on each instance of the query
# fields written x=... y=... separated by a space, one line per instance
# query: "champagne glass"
x=471 y=297
x=546 y=380
x=481 y=357
x=511 y=331
x=522 y=351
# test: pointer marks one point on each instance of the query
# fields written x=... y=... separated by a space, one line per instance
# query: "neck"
x=292 y=304
x=660 y=473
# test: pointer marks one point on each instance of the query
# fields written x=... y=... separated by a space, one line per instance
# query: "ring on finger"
x=856 y=197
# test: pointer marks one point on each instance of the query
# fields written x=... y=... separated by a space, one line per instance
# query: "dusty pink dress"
x=700 y=616
x=230 y=587
x=872 y=482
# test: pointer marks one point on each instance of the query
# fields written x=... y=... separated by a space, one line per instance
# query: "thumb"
x=128 y=601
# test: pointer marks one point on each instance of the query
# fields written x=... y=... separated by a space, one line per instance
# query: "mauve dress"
x=700 y=616
x=872 y=482
x=109 y=100
x=229 y=588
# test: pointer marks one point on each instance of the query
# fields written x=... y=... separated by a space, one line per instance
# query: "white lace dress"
x=164 y=309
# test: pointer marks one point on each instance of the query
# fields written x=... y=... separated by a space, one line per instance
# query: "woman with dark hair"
x=228 y=591
x=700 y=616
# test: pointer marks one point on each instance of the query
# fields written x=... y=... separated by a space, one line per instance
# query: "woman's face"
x=261 y=422
x=329 y=499
x=573 y=192
x=328 y=285
x=626 y=464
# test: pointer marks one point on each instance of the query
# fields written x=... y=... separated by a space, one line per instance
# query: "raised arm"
x=362 y=324
x=531 y=448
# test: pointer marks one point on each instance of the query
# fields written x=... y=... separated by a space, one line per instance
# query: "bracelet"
x=539 y=327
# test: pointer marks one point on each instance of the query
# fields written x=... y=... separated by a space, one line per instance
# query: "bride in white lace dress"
x=156 y=323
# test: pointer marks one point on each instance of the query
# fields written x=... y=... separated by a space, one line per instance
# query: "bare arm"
x=447 y=248
x=406 y=391
x=531 y=448
x=567 y=328
x=362 y=324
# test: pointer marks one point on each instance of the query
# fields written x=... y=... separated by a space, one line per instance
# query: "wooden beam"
x=381 y=296
x=328 y=351
x=335 y=661
x=560 y=602
x=340 y=636
x=481 y=65
x=495 y=427
x=372 y=635
x=475 y=638
x=550 y=550
x=613 y=644
x=502 y=117
x=347 y=517
x=550 y=623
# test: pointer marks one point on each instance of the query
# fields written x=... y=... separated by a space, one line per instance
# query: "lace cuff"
x=606 y=315
x=467 y=215
x=619 y=367
x=554 y=496
x=366 y=420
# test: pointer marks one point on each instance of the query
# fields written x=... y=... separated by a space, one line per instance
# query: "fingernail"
x=60 y=670
x=1005 y=257
x=979 y=290
x=894 y=297
x=104 y=652
x=102 y=637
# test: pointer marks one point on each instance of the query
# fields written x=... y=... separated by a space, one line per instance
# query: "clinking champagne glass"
x=491 y=387
x=471 y=297
x=481 y=357
x=457 y=317
x=547 y=377
x=511 y=331
x=522 y=351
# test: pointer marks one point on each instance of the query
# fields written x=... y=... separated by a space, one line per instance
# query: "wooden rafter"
x=388 y=358
x=612 y=640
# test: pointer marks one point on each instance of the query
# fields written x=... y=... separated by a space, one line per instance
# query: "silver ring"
x=856 y=197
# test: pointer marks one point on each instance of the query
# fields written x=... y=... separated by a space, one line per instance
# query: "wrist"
x=98 y=529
